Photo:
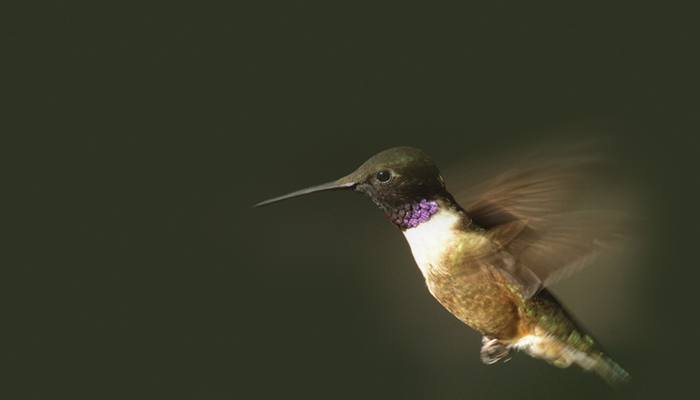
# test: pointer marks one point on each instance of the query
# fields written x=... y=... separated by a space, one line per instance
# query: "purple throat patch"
x=412 y=215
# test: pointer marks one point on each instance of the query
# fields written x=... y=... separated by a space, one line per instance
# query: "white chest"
x=430 y=240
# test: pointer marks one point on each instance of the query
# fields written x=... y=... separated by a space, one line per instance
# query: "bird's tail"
x=563 y=354
x=608 y=369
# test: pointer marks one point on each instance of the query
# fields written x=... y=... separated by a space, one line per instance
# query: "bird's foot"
x=493 y=351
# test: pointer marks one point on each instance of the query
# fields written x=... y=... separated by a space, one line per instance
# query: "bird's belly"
x=445 y=255
x=479 y=301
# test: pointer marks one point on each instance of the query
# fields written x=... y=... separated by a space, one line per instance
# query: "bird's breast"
x=447 y=254
x=441 y=239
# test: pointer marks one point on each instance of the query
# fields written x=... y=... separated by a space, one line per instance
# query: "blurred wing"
x=570 y=242
x=533 y=190
x=549 y=215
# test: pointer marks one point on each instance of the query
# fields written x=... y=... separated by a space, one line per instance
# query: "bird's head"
x=402 y=181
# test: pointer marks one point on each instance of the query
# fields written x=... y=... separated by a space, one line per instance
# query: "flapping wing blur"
x=553 y=215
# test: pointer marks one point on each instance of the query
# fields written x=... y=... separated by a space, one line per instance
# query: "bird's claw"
x=493 y=351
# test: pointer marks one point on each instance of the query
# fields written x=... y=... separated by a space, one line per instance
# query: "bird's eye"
x=383 y=176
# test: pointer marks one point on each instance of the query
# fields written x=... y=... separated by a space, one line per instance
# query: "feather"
x=554 y=215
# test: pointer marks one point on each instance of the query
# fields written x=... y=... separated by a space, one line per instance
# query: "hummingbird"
x=490 y=260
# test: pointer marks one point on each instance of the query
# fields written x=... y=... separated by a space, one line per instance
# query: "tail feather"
x=606 y=368
x=562 y=355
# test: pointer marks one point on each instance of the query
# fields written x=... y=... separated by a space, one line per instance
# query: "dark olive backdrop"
x=142 y=133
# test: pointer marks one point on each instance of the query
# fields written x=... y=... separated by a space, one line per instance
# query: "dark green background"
x=140 y=134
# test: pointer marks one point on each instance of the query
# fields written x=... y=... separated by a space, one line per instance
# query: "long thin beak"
x=342 y=183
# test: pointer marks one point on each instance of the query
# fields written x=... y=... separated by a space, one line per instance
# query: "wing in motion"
x=552 y=215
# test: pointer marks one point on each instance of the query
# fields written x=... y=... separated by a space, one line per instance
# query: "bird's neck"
x=448 y=231
x=414 y=213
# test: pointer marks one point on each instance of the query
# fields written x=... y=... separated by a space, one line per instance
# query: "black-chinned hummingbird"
x=489 y=262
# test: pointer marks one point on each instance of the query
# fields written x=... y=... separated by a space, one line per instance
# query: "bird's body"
x=460 y=263
x=447 y=249
x=488 y=264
